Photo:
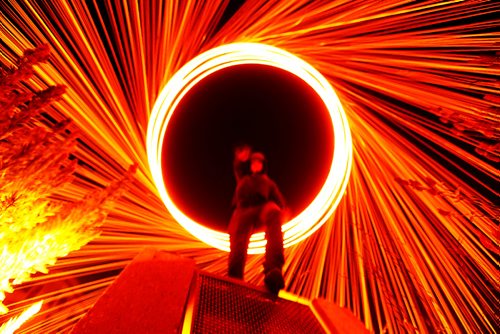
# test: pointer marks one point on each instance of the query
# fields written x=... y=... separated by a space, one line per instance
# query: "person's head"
x=257 y=163
x=242 y=152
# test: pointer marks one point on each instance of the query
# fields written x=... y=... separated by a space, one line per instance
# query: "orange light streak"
x=412 y=246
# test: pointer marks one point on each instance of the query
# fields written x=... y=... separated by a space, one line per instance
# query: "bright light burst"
x=13 y=324
x=316 y=214
x=412 y=246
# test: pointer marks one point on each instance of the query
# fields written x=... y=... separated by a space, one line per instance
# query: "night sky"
x=270 y=109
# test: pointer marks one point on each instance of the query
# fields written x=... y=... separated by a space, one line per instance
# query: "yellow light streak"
x=14 y=323
x=413 y=244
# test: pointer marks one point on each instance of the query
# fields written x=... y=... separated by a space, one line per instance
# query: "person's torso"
x=253 y=190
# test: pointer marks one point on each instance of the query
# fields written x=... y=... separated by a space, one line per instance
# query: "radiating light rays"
x=98 y=95
x=14 y=324
x=409 y=252
x=412 y=246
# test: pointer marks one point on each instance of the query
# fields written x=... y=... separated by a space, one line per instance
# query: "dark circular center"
x=272 y=110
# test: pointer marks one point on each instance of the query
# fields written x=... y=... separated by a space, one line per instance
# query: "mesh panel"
x=225 y=307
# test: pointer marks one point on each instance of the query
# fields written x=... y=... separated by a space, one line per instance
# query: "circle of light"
x=328 y=198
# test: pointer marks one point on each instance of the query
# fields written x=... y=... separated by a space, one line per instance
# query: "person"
x=258 y=203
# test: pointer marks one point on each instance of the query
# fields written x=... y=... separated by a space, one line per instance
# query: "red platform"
x=162 y=293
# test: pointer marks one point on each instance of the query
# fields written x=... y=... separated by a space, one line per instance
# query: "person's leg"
x=275 y=259
x=240 y=230
x=273 y=219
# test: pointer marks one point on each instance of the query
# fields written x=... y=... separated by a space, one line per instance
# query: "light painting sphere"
x=327 y=199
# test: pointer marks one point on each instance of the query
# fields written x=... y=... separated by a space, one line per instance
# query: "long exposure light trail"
x=412 y=246
x=13 y=324
x=236 y=54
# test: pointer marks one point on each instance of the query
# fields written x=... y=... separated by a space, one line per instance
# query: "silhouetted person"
x=259 y=203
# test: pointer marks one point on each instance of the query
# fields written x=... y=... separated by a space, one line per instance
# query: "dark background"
x=272 y=110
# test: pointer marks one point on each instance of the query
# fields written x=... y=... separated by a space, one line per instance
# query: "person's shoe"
x=274 y=281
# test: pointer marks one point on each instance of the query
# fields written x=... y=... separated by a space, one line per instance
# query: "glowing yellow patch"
x=15 y=323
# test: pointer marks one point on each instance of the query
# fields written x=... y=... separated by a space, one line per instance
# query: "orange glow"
x=413 y=244
x=321 y=208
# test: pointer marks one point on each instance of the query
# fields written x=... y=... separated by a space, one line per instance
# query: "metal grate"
x=225 y=307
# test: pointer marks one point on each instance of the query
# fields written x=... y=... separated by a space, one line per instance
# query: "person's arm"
x=276 y=196
x=241 y=161
x=279 y=199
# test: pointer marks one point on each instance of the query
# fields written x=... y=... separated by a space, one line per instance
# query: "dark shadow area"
x=232 y=7
x=272 y=110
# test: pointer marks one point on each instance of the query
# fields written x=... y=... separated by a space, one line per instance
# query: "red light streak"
x=412 y=245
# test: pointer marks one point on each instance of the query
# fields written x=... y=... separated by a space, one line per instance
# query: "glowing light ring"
x=325 y=202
